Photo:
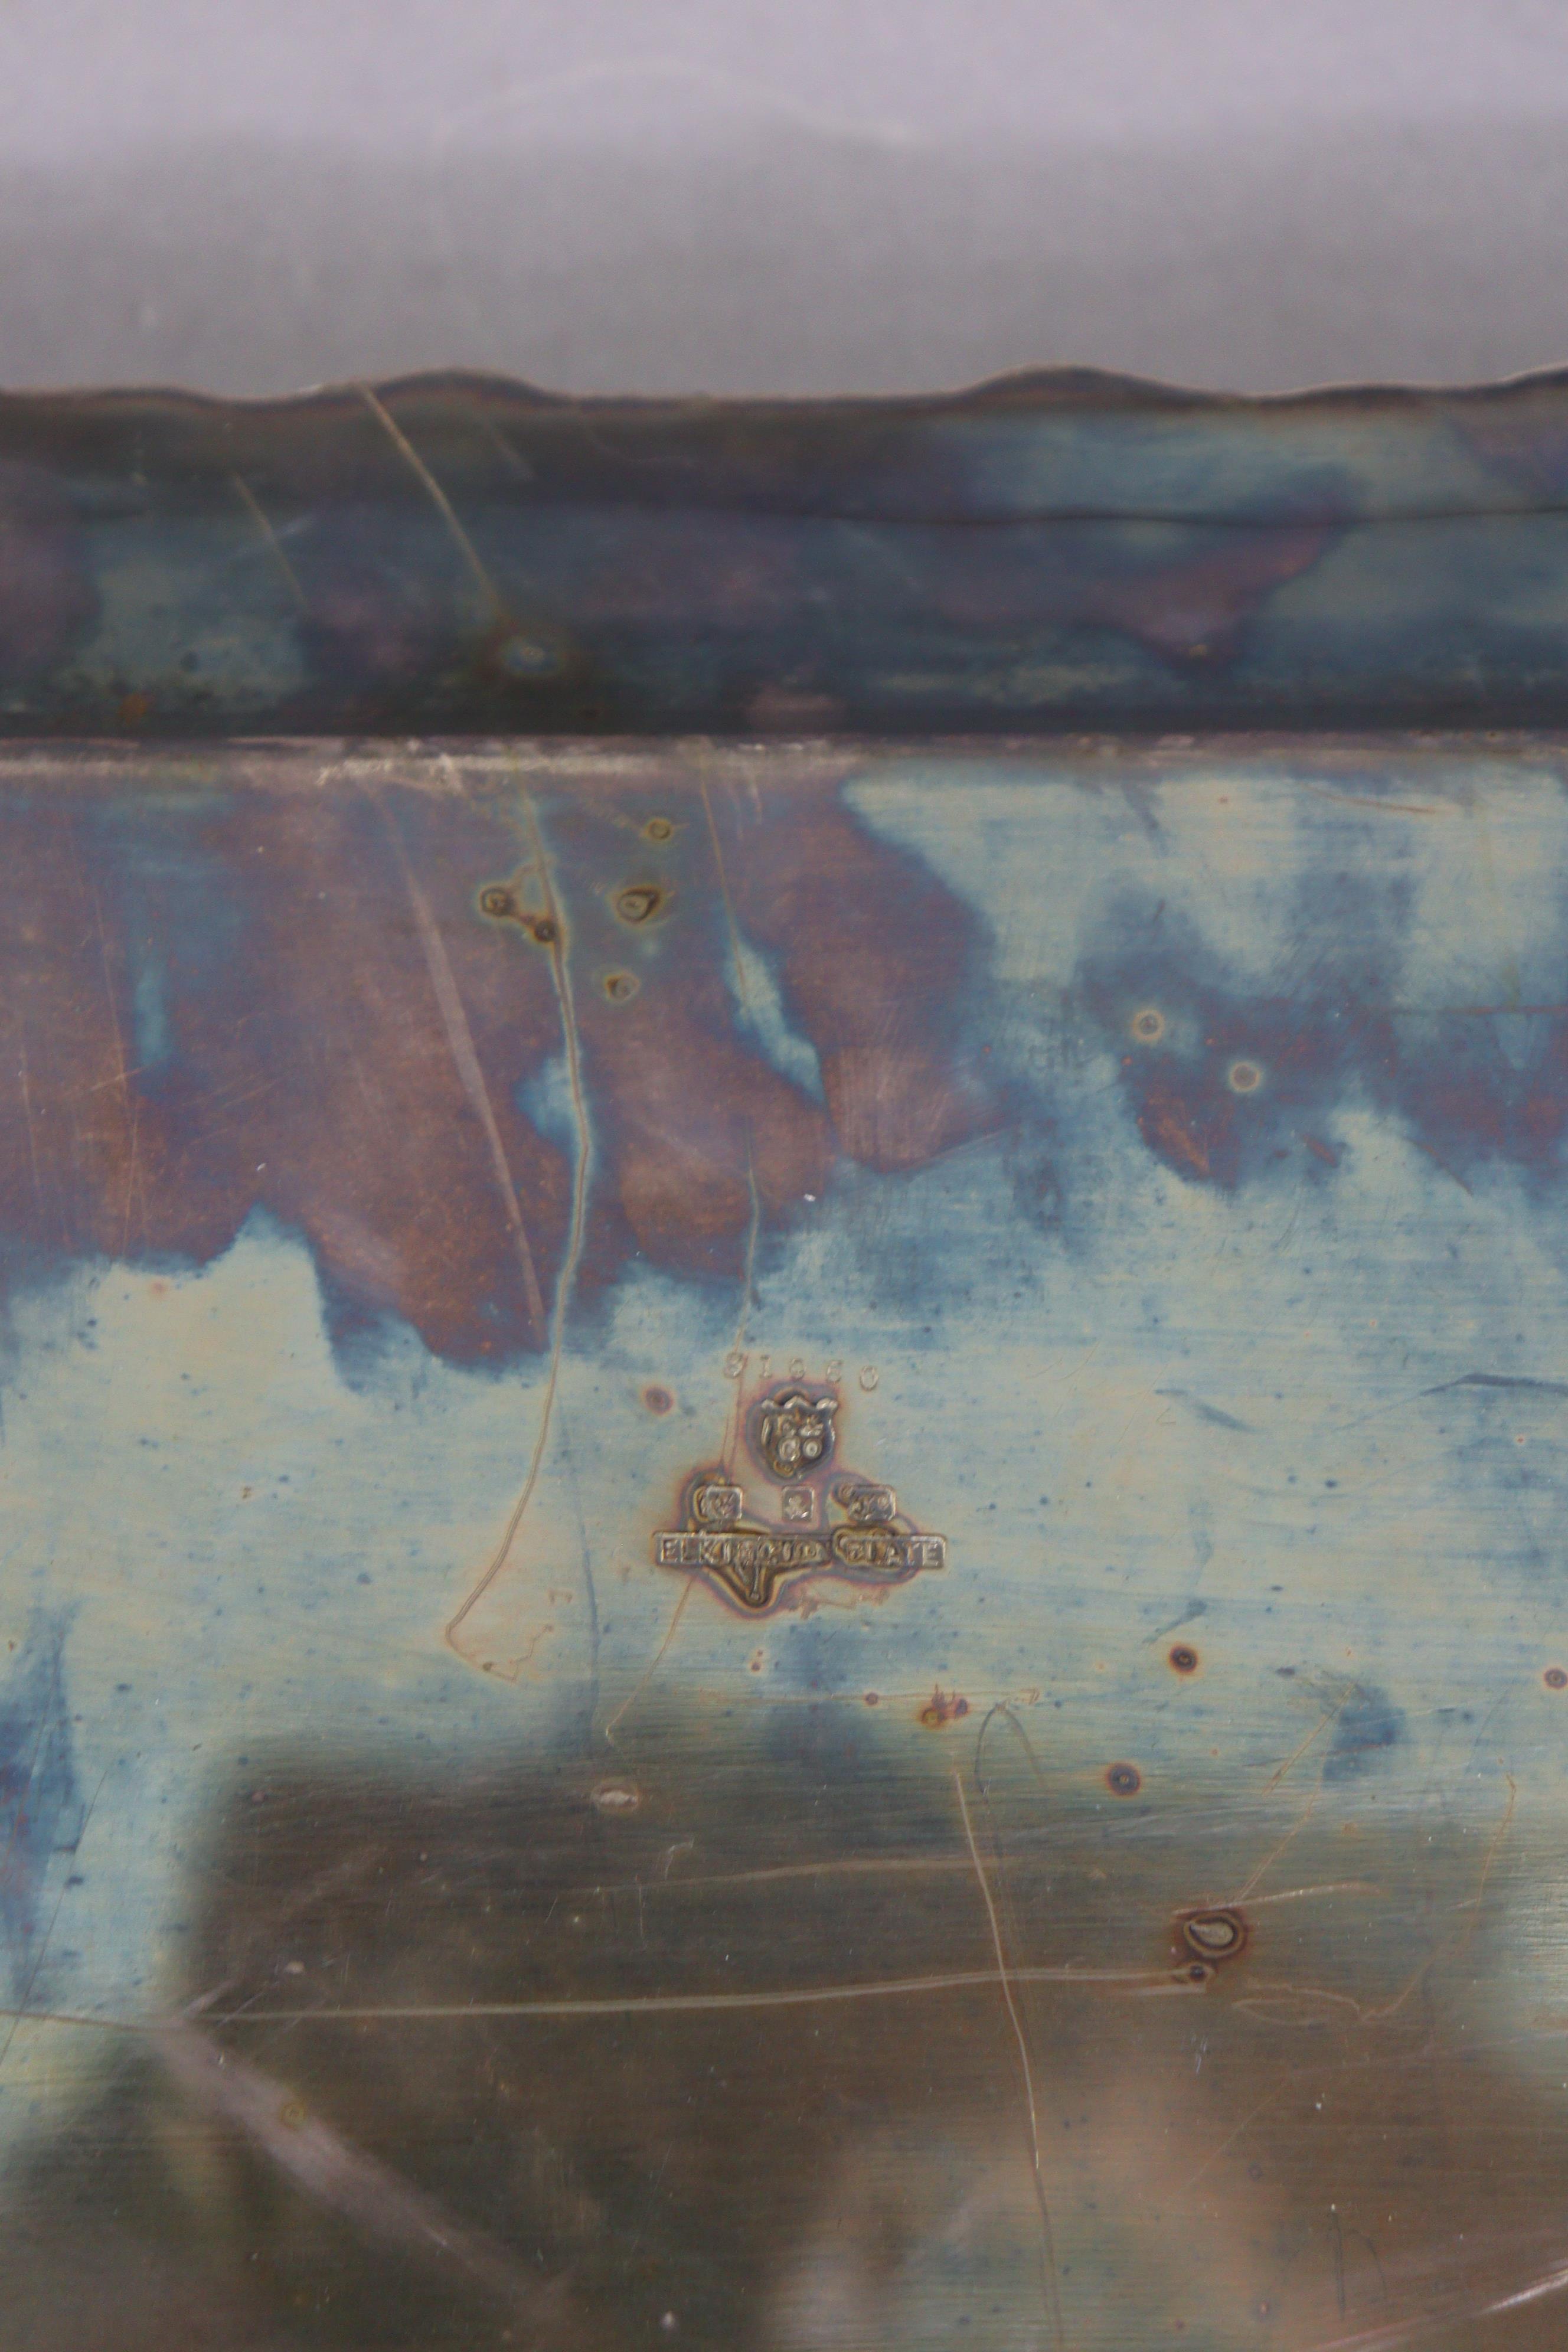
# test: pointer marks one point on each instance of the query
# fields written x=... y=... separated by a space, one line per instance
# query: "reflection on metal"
x=511 y=1247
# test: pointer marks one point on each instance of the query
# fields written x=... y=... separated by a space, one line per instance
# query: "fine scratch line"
x=1007 y=1977
x=573 y=1250
x=260 y=517
x=460 y=1039
x=443 y=504
x=1446 y=2316
x=724 y=894
x=653 y=1665
x=670 y=2003
x=748 y=1275
x=749 y=1272
x=16 y=2016
x=609 y=2005
x=129 y=1102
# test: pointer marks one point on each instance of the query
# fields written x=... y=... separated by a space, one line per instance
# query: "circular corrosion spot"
x=1123 y=1780
x=1149 y=1026
x=497 y=901
x=545 y=930
x=941 y=1708
x=1555 y=1679
x=873 y=1698
x=619 y=986
x=1184 y=1658
x=292 y=2113
x=1214 y=1935
x=1194 y=1972
x=1244 y=1077
x=658 y=828
x=657 y=1399
x=639 y=902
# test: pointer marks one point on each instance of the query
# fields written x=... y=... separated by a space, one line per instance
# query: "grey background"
x=797 y=197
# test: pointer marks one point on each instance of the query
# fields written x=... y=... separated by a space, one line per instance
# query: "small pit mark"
x=1148 y=1026
x=525 y=657
x=639 y=902
x=621 y=986
x=869 y=1376
x=615 y=1797
x=1244 y=1077
x=657 y=1398
x=1556 y=1677
x=1183 y=1658
x=1214 y=1935
x=658 y=828
x=1123 y=1780
x=500 y=903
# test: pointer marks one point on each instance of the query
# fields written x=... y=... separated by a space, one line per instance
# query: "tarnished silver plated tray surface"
x=782 y=1204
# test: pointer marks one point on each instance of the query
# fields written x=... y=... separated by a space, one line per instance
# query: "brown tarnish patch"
x=1172 y=1128
x=344 y=1046
x=1191 y=609
x=699 y=1136
x=328 y=1088
x=1195 y=609
x=871 y=952
x=701 y=1140
x=941 y=1708
x=89 y=1161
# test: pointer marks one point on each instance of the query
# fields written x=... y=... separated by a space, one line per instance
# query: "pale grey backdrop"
x=784 y=195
